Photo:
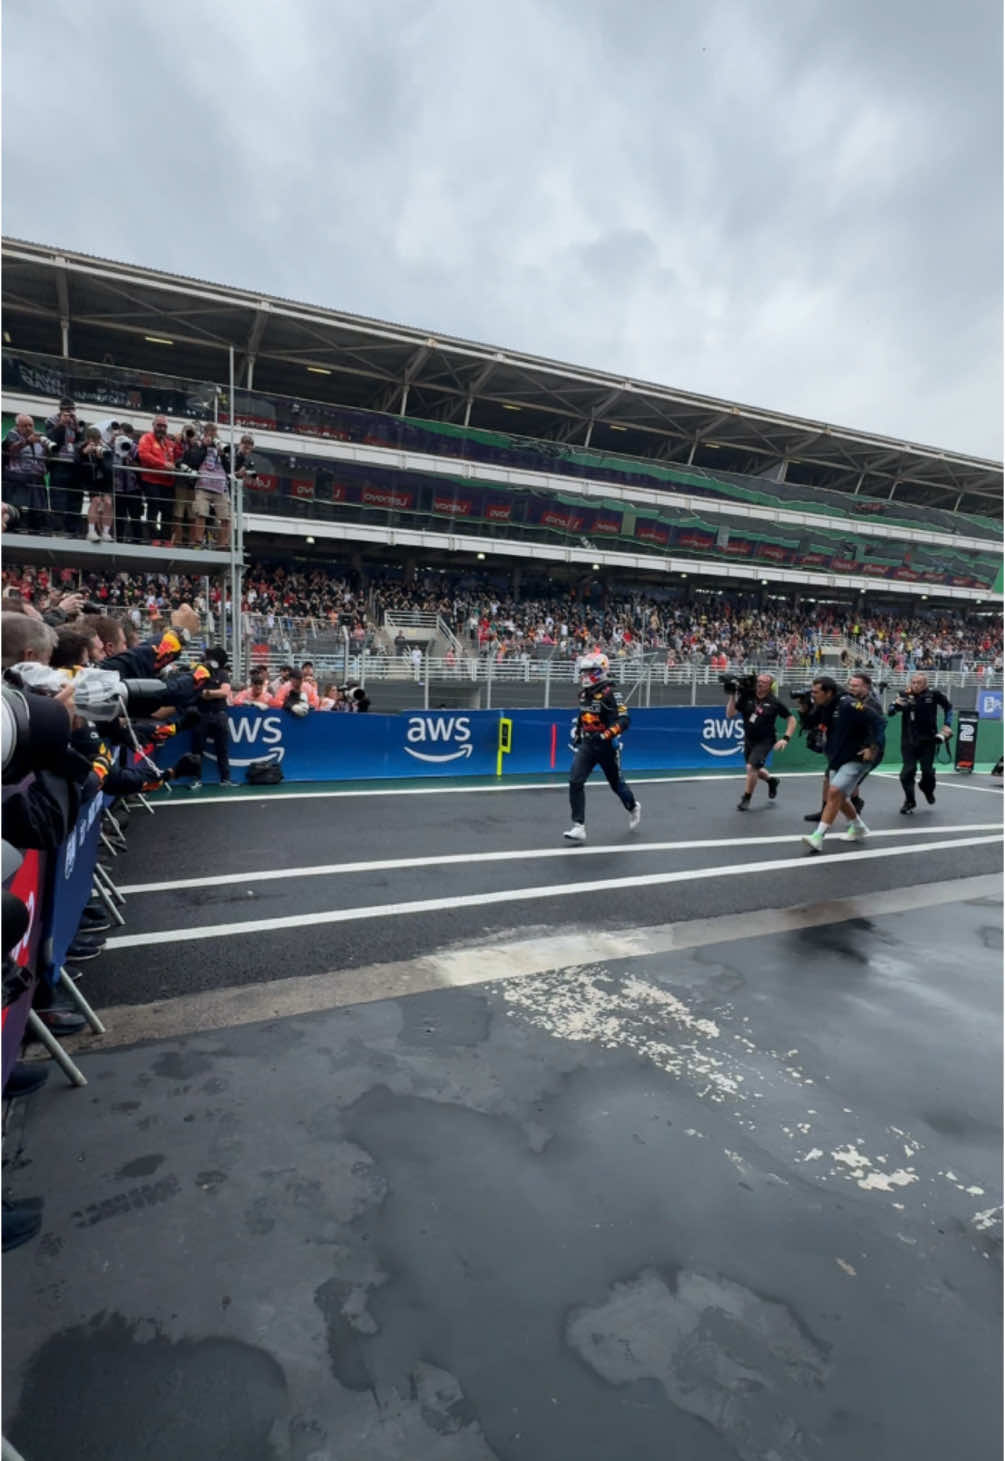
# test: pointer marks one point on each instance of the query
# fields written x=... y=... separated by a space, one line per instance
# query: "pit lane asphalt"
x=249 y=833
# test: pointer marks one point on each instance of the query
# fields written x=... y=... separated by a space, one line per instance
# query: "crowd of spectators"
x=543 y=621
x=140 y=486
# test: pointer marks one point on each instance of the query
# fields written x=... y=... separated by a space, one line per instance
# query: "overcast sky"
x=792 y=204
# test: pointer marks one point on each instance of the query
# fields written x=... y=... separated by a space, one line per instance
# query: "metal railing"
x=549 y=682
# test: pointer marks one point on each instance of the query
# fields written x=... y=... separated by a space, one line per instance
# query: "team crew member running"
x=856 y=735
x=920 y=736
x=760 y=711
x=602 y=721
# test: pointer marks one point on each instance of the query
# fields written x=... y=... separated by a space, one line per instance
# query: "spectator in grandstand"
x=126 y=491
x=24 y=466
x=295 y=691
x=332 y=699
x=66 y=497
x=212 y=490
x=94 y=477
x=155 y=454
x=244 y=462
x=188 y=465
x=257 y=692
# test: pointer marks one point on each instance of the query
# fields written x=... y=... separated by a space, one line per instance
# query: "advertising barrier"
x=420 y=743
x=28 y=884
x=989 y=704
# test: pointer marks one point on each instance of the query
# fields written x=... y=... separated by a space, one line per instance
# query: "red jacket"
x=151 y=453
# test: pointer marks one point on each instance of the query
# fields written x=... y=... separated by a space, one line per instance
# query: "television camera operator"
x=920 y=736
x=752 y=697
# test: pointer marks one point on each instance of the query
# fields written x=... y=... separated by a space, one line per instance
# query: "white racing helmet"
x=594 y=668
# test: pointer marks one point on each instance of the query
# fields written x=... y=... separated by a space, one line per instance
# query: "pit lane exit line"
x=224 y=880
x=520 y=895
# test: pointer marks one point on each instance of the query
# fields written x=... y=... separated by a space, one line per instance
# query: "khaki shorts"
x=183 y=497
x=218 y=501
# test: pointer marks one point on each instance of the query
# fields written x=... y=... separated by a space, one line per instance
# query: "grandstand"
x=382 y=447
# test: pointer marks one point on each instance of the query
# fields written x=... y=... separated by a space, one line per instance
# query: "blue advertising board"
x=334 y=747
x=989 y=704
x=71 y=874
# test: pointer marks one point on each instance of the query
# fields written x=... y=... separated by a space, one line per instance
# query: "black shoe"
x=85 y=948
x=25 y=1079
x=858 y=803
x=22 y=1221
x=62 y=1021
x=907 y=810
x=773 y=787
x=814 y=816
x=94 y=922
x=929 y=796
x=743 y=805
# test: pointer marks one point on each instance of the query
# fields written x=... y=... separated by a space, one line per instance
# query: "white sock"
x=822 y=830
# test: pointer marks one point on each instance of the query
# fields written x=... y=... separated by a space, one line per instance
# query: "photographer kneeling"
x=753 y=698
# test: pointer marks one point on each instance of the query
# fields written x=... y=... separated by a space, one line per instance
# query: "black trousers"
x=913 y=755
x=128 y=512
x=595 y=751
x=213 y=728
x=66 y=498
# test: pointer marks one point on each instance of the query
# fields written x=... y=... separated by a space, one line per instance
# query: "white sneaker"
x=635 y=816
x=92 y=534
x=106 y=535
x=856 y=834
x=814 y=842
x=576 y=833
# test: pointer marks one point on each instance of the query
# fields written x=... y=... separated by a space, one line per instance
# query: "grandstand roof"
x=58 y=301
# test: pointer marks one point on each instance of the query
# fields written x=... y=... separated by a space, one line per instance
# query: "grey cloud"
x=794 y=204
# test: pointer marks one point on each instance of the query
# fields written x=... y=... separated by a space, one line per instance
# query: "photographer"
x=126 y=490
x=856 y=735
x=754 y=700
x=920 y=736
x=212 y=489
x=296 y=695
x=184 y=489
x=214 y=693
x=24 y=467
x=94 y=477
x=66 y=496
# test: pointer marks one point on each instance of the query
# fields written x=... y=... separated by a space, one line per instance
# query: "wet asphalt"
x=739 y=1200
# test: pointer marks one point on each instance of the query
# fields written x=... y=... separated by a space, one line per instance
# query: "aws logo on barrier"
x=263 y=734
x=718 y=731
x=452 y=732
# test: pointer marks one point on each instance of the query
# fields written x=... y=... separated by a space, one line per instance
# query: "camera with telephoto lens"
x=103 y=695
x=738 y=684
x=35 y=732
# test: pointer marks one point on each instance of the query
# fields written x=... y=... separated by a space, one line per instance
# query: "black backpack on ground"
x=264 y=773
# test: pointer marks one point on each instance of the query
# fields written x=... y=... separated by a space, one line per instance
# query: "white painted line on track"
x=302 y=921
x=235 y=799
x=455 y=967
x=944 y=784
x=330 y=869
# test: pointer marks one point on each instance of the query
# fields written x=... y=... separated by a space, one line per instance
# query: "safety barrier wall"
x=54 y=887
x=437 y=743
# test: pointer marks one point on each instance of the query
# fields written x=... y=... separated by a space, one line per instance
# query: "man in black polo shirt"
x=918 y=708
x=760 y=712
